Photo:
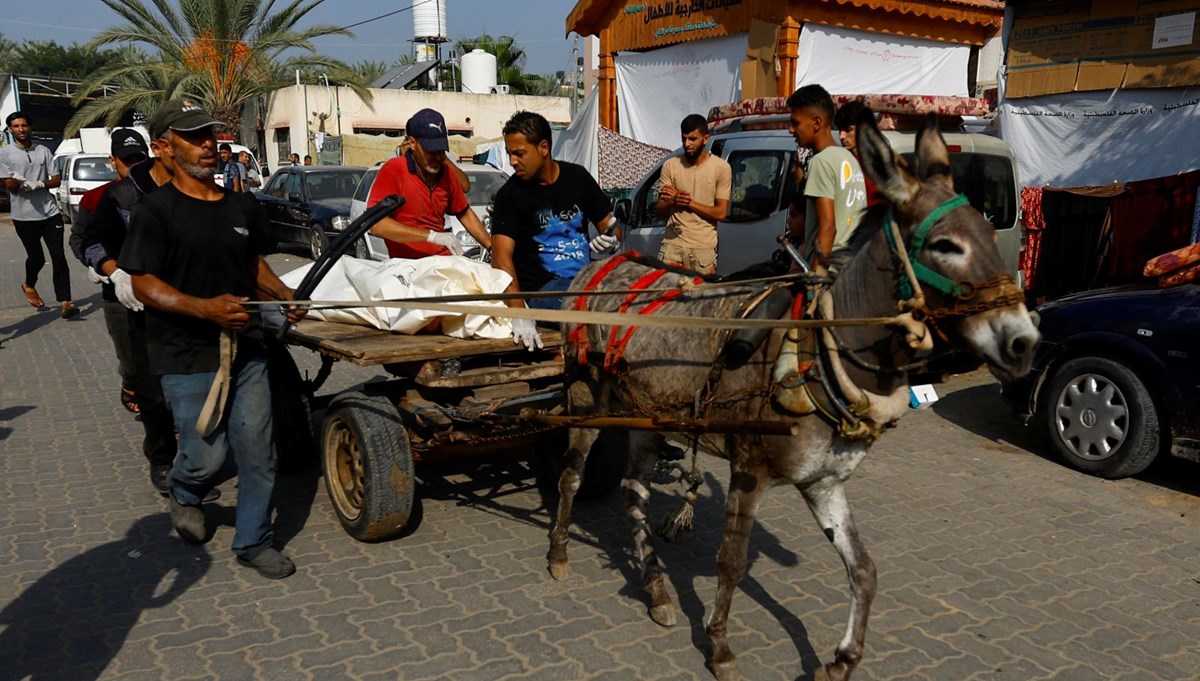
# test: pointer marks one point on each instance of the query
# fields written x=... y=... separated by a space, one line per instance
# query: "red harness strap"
x=578 y=335
x=616 y=347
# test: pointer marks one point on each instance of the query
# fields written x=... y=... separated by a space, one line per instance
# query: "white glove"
x=32 y=186
x=447 y=240
x=525 y=332
x=95 y=277
x=124 y=287
x=602 y=243
x=17 y=176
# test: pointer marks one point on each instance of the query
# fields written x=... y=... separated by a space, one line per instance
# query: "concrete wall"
x=298 y=108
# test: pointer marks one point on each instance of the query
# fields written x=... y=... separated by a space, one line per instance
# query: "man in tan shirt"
x=694 y=198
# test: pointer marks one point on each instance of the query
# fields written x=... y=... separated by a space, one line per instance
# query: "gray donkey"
x=839 y=388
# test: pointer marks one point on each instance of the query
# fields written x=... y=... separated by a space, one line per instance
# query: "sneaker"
x=160 y=477
x=270 y=563
x=188 y=521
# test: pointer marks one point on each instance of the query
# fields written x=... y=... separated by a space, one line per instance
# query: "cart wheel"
x=603 y=471
x=368 y=466
x=291 y=409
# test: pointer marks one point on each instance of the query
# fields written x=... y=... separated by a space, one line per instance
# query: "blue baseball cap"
x=429 y=128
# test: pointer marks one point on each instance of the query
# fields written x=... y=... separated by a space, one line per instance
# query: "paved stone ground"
x=995 y=561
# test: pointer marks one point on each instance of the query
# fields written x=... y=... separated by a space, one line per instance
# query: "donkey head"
x=975 y=301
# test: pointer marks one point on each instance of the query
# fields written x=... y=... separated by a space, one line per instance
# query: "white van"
x=80 y=174
x=983 y=167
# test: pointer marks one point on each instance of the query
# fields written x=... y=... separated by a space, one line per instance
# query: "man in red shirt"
x=431 y=192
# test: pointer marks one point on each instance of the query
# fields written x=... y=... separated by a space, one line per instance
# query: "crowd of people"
x=178 y=257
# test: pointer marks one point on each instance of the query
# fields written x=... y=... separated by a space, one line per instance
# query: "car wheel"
x=1101 y=418
x=317 y=241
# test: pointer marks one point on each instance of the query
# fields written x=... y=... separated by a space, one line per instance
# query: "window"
x=96 y=169
x=291 y=186
x=275 y=186
x=364 y=186
x=283 y=145
x=644 y=213
x=987 y=181
x=484 y=186
x=337 y=185
x=758 y=179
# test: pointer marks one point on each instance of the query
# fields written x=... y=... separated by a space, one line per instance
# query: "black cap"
x=126 y=143
x=180 y=114
x=429 y=128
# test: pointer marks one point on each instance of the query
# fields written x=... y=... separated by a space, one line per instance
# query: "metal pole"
x=667 y=425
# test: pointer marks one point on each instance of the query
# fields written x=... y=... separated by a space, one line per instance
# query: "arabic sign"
x=641 y=25
x=1173 y=31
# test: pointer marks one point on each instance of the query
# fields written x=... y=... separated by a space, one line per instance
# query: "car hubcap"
x=1092 y=417
x=314 y=238
x=346 y=465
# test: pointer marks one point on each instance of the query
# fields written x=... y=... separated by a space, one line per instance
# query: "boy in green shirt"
x=835 y=190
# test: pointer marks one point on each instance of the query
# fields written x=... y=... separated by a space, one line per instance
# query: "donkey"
x=663 y=371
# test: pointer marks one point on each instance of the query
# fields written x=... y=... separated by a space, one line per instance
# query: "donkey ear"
x=880 y=164
x=933 y=159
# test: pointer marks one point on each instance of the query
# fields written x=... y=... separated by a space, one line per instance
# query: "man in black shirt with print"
x=194 y=252
x=540 y=217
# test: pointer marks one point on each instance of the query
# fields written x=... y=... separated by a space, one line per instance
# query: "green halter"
x=924 y=274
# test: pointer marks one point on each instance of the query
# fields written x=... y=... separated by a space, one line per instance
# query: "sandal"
x=69 y=310
x=129 y=400
x=32 y=296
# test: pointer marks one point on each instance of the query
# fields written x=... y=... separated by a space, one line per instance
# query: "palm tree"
x=510 y=58
x=221 y=52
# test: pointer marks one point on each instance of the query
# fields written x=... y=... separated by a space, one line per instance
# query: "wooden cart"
x=448 y=397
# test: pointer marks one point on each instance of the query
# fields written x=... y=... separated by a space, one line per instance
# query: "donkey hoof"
x=725 y=671
x=663 y=615
x=560 y=571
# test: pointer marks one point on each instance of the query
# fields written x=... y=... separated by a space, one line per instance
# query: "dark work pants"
x=116 y=320
x=32 y=233
x=159 y=444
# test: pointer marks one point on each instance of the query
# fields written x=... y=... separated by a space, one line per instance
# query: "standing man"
x=694 y=198
x=539 y=223
x=308 y=160
x=834 y=188
x=294 y=159
x=194 y=252
x=28 y=176
x=235 y=174
x=253 y=177
x=431 y=190
x=846 y=121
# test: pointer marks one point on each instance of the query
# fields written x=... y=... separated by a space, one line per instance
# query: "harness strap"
x=218 y=393
x=578 y=336
x=923 y=273
x=616 y=348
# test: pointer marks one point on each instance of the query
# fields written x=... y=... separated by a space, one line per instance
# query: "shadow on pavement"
x=72 y=622
x=44 y=317
x=8 y=414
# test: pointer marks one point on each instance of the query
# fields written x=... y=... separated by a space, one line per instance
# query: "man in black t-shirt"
x=540 y=217
x=194 y=252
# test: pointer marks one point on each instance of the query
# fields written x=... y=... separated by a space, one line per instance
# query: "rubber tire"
x=603 y=472
x=291 y=408
x=388 y=483
x=318 y=241
x=1143 y=438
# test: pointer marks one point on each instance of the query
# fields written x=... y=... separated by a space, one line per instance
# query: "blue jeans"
x=204 y=462
x=556 y=284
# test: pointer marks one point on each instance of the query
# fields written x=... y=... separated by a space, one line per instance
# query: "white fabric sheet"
x=849 y=62
x=443 y=275
x=1091 y=138
x=657 y=89
x=580 y=142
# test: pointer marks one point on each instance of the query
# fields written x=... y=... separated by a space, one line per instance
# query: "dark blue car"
x=1116 y=379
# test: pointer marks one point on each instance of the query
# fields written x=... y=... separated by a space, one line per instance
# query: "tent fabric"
x=853 y=62
x=397 y=278
x=658 y=88
x=580 y=142
x=623 y=161
x=1098 y=138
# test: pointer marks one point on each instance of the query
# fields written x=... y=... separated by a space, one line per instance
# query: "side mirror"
x=294 y=198
x=622 y=210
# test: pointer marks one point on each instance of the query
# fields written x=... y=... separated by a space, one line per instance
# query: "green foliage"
x=48 y=58
x=221 y=52
x=370 y=70
x=510 y=59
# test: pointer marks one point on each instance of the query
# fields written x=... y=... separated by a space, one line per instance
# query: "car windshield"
x=484 y=186
x=331 y=185
x=95 y=169
x=987 y=181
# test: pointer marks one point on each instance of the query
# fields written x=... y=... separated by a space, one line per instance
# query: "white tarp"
x=443 y=275
x=657 y=89
x=849 y=62
x=1090 y=138
x=580 y=142
x=497 y=156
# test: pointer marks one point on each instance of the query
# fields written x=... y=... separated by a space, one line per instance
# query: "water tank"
x=429 y=20
x=478 y=71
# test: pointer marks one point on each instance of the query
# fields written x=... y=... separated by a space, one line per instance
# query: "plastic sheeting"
x=1093 y=138
x=657 y=89
x=580 y=142
x=852 y=62
x=442 y=275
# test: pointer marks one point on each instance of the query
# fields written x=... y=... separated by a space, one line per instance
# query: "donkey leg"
x=581 y=440
x=643 y=453
x=829 y=506
x=746 y=490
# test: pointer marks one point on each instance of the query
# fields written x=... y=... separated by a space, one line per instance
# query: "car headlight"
x=339 y=223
